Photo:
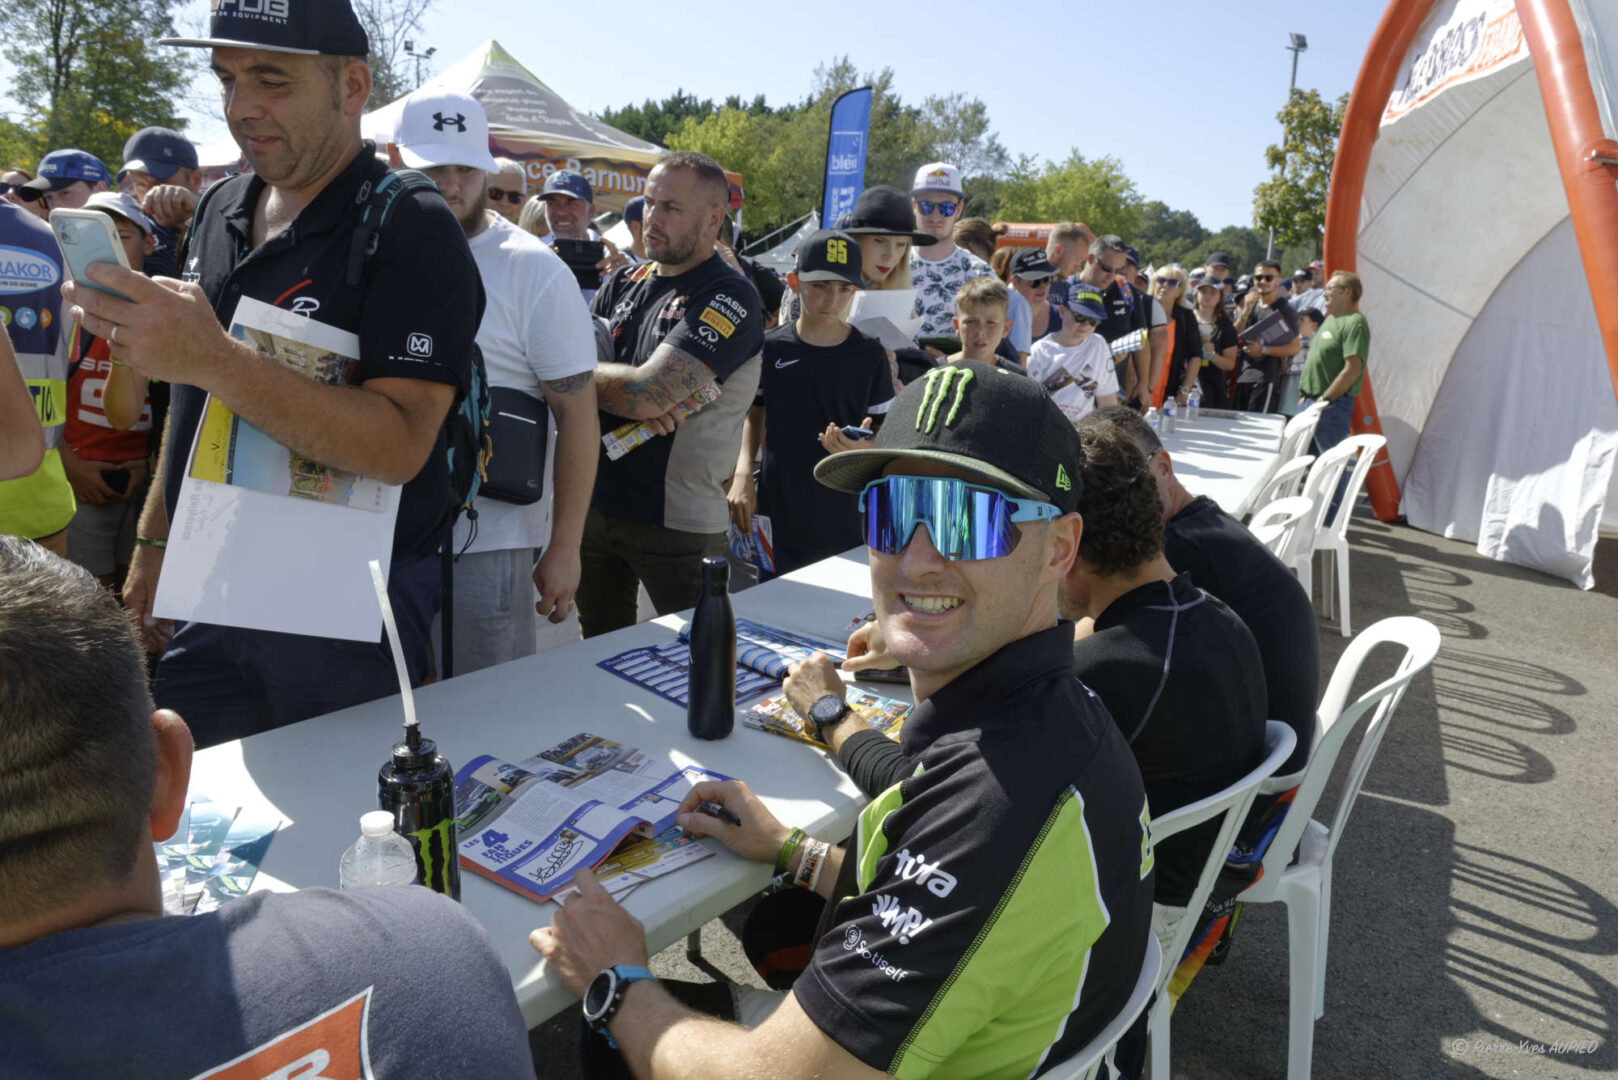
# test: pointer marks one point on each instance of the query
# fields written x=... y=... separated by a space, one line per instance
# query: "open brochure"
x=763 y=655
x=213 y=856
x=777 y=716
x=587 y=802
x=262 y=538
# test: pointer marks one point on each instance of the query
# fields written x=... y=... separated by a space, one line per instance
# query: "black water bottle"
x=710 y=710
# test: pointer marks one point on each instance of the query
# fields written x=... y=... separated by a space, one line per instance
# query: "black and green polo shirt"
x=993 y=912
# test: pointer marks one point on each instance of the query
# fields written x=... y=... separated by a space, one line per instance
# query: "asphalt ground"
x=1474 y=931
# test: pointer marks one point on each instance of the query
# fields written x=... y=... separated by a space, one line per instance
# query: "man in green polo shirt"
x=1336 y=365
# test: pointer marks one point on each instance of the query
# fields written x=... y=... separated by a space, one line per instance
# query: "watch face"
x=597 y=997
x=826 y=709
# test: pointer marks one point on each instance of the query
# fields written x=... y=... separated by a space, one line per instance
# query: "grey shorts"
x=102 y=538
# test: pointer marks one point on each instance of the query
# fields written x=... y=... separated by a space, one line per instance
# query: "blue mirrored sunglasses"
x=965 y=521
x=927 y=206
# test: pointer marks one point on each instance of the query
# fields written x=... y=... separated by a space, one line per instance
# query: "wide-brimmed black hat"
x=884 y=211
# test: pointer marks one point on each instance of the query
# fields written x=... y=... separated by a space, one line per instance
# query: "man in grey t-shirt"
x=95 y=981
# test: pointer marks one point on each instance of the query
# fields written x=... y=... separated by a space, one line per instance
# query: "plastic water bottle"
x=379 y=857
x=1193 y=404
x=710 y=711
x=1154 y=419
x=1169 y=414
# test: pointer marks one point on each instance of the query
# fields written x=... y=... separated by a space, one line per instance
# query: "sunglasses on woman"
x=512 y=197
x=1162 y=281
x=965 y=521
x=947 y=209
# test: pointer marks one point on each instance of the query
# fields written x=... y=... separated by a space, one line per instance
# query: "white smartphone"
x=85 y=237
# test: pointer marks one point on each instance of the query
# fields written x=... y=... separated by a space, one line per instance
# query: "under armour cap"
x=159 y=152
x=443 y=128
x=62 y=168
x=118 y=204
x=571 y=183
x=829 y=255
x=938 y=176
x=999 y=428
x=310 y=27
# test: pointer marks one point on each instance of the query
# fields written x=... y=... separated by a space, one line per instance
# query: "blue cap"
x=310 y=27
x=61 y=168
x=1132 y=254
x=635 y=209
x=568 y=182
x=1084 y=300
x=158 y=151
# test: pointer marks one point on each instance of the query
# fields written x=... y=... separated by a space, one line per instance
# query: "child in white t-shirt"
x=1074 y=364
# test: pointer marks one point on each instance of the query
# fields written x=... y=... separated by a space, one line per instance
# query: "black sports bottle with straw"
x=417 y=786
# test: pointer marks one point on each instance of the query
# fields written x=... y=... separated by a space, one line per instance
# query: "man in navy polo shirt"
x=67 y=178
x=282 y=234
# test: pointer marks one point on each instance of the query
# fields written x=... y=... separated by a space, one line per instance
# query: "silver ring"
x=112 y=338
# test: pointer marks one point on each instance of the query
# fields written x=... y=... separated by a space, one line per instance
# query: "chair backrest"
x=1321 y=483
x=1284 y=482
x=1420 y=639
x=1276 y=525
x=1082 y=1063
x=1233 y=803
x=1369 y=446
x=1299 y=433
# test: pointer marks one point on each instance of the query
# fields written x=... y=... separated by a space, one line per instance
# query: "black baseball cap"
x=1032 y=263
x=1001 y=429
x=884 y=211
x=829 y=255
x=310 y=27
x=1218 y=258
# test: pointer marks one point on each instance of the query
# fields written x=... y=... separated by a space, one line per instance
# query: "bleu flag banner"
x=845 y=155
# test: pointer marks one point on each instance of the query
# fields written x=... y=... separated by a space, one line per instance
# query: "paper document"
x=266 y=540
x=886 y=316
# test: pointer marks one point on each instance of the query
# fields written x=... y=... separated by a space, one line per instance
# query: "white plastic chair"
x=1332 y=537
x=1084 y=1062
x=1233 y=804
x=1299 y=434
x=1276 y=526
x=1284 y=483
x=1305 y=886
x=1318 y=486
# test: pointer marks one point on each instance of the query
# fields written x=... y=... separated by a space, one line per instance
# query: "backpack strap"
x=378 y=197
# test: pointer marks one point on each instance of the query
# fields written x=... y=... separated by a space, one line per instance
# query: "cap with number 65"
x=829 y=255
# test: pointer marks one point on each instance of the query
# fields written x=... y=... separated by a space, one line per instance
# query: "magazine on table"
x=586 y=802
x=777 y=716
x=763 y=655
x=213 y=856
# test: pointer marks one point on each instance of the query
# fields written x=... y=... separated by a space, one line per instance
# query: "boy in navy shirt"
x=819 y=375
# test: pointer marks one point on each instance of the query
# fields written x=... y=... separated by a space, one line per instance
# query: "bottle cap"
x=715 y=570
x=376 y=823
x=408 y=757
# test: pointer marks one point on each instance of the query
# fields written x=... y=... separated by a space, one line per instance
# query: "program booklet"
x=588 y=801
x=763 y=655
x=777 y=716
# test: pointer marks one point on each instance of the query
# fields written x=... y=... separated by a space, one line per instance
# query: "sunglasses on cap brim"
x=965 y=521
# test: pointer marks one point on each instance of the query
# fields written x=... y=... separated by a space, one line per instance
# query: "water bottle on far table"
x=379 y=857
x=1193 y=404
x=710 y=710
x=1154 y=419
x=1169 y=414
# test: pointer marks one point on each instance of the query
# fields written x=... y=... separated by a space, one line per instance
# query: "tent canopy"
x=531 y=122
x=1490 y=375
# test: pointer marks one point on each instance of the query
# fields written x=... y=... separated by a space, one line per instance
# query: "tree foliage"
x=1293 y=201
x=87 y=76
x=1166 y=235
x=1095 y=191
x=390 y=24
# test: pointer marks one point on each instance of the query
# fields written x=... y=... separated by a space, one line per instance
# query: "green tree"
x=390 y=25
x=1095 y=191
x=656 y=121
x=1167 y=236
x=1293 y=201
x=87 y=77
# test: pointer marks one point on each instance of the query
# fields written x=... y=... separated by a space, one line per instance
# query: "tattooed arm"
x=668 y=377
x=572 y=401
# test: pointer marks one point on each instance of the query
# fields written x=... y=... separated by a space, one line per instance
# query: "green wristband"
x=789 y=847
x=151 y=542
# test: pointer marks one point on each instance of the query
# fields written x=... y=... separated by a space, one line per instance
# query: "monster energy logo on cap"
x=939 y=382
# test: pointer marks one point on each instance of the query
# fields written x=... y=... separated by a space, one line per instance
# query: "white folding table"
x=320 y=775
x=1225 y=455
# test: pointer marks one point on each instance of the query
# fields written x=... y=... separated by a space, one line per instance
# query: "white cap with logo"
x=938 y=176
x=440 y=128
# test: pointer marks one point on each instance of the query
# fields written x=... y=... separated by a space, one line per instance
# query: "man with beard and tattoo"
x=536 y=338
x=685 y=327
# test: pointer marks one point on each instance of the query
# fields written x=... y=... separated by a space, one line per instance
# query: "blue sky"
x=1184 y=94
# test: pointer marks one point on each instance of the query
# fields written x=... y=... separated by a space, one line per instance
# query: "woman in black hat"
x=885 y=226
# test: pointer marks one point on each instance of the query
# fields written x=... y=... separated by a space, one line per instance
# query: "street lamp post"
x=418 y=57
x=1299 y=44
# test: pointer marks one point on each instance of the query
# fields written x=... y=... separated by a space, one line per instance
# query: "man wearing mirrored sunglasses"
x=1265 y=353
x=940 y=269
x=992 y=913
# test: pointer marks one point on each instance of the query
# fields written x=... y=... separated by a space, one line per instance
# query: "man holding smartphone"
x=282 y=233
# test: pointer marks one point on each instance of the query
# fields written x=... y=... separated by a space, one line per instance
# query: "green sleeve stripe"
x=871 y=843
x=1010 y=993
